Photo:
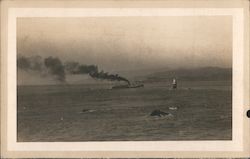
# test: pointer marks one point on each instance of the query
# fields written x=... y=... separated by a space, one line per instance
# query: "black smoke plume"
x=54 y=66
x=92 y=70
x=51 y=66
x=34 y=63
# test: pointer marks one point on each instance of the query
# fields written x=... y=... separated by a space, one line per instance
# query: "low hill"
x=197 y=74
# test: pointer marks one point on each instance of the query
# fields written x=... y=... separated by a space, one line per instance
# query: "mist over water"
x=130 y=43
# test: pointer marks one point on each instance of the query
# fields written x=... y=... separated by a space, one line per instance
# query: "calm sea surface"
x=198 y=111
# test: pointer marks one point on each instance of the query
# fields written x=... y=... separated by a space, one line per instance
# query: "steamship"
x=130 y=85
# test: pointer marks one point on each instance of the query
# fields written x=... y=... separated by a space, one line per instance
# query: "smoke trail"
x=54 y=66
x=34 y=63
x=105 y=75
x=92 y=70
x=49 y=66
x=23 y=63
x=76 y=68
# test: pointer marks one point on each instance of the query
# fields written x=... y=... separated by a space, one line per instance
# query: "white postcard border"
x=238 y=75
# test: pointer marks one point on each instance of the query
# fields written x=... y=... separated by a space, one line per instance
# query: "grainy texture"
x=200 y=111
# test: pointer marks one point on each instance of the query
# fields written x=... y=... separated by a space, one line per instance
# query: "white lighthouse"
x=174 y=83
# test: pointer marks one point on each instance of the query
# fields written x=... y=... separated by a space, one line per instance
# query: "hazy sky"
x=130 y=43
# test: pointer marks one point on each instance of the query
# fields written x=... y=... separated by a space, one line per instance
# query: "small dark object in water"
x=158 y=113
x=88 y=110
x=85 y=110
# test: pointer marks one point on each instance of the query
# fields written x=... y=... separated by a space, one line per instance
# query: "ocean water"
x=95 y=112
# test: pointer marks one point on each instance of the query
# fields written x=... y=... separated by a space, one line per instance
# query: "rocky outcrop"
x=159 y=113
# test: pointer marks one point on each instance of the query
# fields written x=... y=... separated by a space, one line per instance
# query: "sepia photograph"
x=124 y=79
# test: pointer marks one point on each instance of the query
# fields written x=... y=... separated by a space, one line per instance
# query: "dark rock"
x=158 y=113
x=88 y=110
x=85 y=110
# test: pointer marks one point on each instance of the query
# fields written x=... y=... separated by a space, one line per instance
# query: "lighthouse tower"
x=174 y=83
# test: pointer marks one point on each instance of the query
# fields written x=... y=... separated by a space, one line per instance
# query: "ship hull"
x=127 y=86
